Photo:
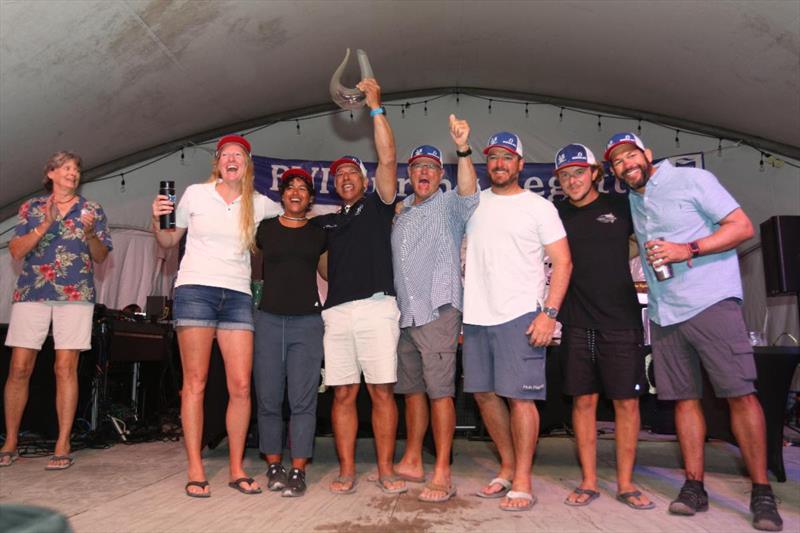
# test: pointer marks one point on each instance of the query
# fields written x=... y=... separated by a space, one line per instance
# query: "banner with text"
x=536 y=177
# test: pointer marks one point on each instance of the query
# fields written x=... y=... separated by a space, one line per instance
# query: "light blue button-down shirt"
x=682 y=204
x=426 y=255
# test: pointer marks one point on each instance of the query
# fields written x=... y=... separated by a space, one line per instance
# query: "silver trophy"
x=341 y=95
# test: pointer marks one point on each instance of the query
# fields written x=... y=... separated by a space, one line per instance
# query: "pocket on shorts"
x=743 y=359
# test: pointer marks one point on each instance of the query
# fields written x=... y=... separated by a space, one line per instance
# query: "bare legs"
x=344 y=417
x=515 y=431
x=15 y=395
x=443 y=416
x=237 y=353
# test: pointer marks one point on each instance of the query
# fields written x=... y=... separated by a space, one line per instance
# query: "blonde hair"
x=247 y=225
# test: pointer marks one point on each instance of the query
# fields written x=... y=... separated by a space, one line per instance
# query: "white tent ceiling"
x=113 y=78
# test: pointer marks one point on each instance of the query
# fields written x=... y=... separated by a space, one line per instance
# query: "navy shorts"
x=500 y=359
x=212 y=307
x=607 y=360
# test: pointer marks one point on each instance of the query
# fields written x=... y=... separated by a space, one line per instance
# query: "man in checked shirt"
x=426 y=253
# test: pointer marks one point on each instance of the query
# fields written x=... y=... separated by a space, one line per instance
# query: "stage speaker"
x=780 y=248
x=139 y=341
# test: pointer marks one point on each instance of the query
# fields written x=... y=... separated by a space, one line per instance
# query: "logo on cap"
x=506 y=140
x=622 y=138
x=574 y=155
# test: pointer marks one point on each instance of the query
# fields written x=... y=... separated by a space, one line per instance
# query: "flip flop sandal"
x=449 y=492
x=411 y=479
x=343 y=480
x=516 y=495
x=505 y=483
x=382 y=481
x=12 y=456
x=237 y=485
x=627 y=499
x=593 y=495
x=65 y=461
x=202 y=484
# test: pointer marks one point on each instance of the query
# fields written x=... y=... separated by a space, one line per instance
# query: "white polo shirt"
x=504 y=272
x=214 y=254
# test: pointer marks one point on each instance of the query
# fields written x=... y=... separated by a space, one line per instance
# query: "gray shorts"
x=500 y=359
x=716 y=338
x=426 y=356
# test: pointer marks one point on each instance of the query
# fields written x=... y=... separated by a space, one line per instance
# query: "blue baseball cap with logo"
x=349 y=160
x=622 y=138
x=505 y=140
x=574 y=155
x=426 y=150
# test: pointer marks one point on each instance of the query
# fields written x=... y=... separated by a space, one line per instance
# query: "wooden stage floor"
x=139 y=488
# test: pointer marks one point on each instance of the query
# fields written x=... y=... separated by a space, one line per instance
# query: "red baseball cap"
x=296 y=172
x=237 y=139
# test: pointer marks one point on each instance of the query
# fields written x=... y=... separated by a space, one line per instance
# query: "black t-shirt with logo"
x=359 y=250
x=601 y=294
x=291 y=256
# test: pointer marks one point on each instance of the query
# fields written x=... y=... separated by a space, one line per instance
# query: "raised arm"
x=386 y=174
x=21 y=245
x=165 y=238
x=467 y=182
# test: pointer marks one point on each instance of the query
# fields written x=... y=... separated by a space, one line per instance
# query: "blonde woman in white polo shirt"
x=212 y=298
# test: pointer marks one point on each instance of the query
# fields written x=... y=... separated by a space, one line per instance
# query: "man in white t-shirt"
x=508 y=323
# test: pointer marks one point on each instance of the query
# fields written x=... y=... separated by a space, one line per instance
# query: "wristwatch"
x=550 y=312
x=695 y=248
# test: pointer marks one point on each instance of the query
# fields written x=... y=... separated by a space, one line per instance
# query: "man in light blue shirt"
x=426 y=256
x=684 y=218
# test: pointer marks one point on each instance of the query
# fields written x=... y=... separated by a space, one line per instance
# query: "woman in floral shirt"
x=58 y=237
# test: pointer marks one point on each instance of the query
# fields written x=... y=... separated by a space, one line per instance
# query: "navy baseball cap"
x=349 y=160
x=574 y=155
x=622 y=138
x=426 y=150
x=505 y=140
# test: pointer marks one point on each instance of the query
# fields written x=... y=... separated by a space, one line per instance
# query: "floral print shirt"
x=60 y=267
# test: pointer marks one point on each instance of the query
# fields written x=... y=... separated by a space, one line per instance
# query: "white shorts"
x=30 y=322
x=362 y=336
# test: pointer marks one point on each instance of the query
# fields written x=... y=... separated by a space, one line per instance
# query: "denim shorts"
x=212 y=307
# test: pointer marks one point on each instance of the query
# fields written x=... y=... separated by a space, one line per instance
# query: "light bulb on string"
x=761 y=165
x=527 y=114
x=677 y=139
x=561 y=115
x=297 y=125
x=490 y=106
x=639 y=128
x=599 y=123
x=458 y=97
x=719 y=148
x=122 y=183
x=351 y=115
x=183 y=157
x=425 y=108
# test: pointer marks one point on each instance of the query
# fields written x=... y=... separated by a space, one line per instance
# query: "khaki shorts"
x=30 y=323
x=361 y=336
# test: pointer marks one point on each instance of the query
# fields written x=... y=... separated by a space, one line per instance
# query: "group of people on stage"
x=396 y=305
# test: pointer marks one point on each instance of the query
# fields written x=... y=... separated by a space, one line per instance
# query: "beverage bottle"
x=167 y=188
x=664 y=270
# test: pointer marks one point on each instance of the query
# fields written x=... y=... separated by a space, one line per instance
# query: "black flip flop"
x=202 y=484
x=237 y=484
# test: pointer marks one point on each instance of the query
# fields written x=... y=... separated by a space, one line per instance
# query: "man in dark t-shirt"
x=602 y=337
x=361 y=315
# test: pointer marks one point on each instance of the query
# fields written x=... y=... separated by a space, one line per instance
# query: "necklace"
x=67 y=200
x=294 y=219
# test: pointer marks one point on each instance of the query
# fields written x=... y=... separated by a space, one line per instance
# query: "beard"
x=641 y=181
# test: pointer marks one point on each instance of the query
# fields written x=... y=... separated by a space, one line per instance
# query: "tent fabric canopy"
x=112 y=78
